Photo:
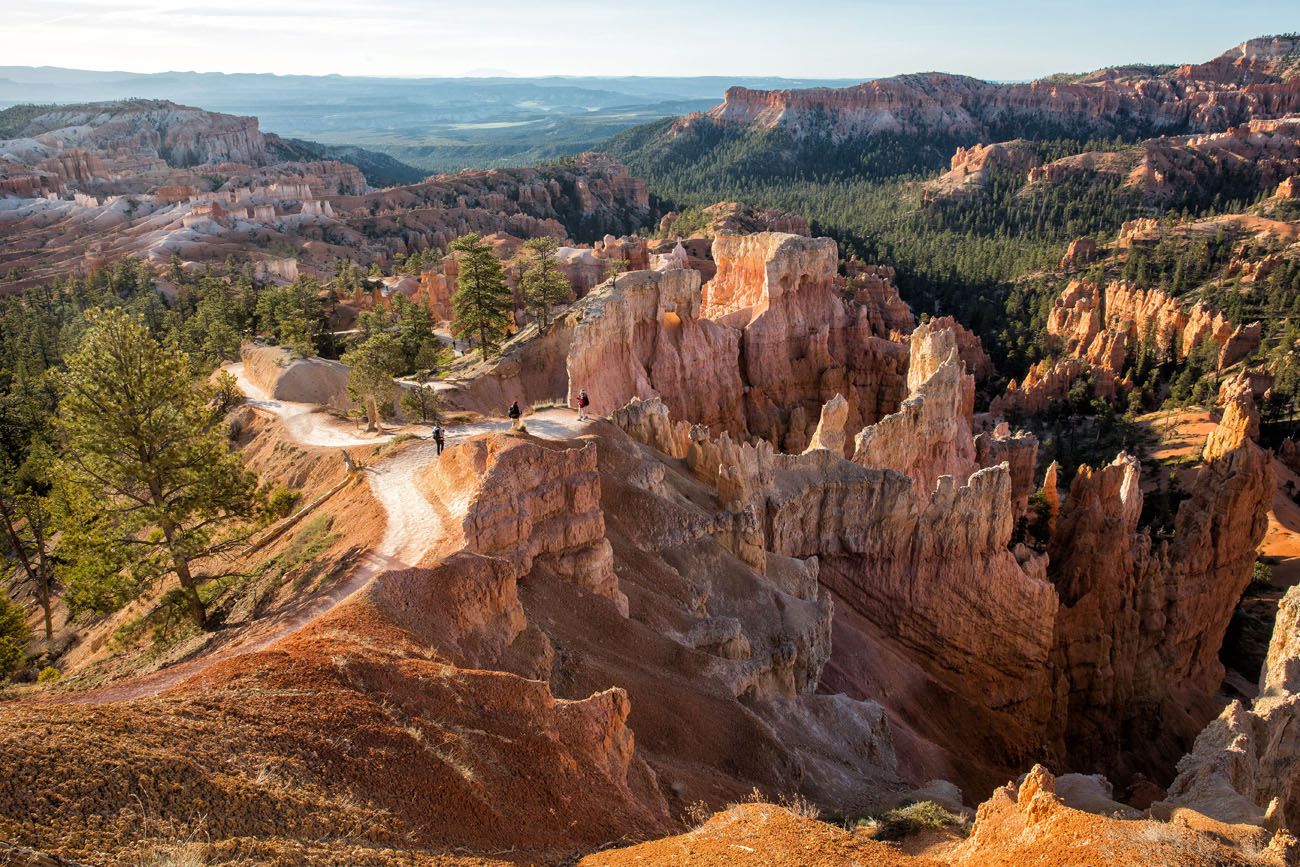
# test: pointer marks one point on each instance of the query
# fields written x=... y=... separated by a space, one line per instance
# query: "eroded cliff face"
x=757 y=352
x=800 y=342
x=1245 y=767
x=1103 y=328
x=1142 y=621
x=1100 y=652
x=642 y=336
x=927 y=576
x=526 y=503
x=1192 y=98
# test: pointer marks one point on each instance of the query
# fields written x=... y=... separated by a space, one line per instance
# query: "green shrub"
x=49 y=674
x=280 y=503
x=1263 y=573
x=14 y=636
x=918 y=817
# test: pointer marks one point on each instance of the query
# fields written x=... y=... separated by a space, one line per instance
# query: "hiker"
x=347 y=463
x=514 y=414
x=583 y=403
x=438 y=437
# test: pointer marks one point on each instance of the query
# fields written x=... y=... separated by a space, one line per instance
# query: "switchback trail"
x=412 y=529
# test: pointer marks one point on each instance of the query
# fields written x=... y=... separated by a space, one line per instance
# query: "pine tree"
x=421 y=403
x=543 y=284
x=14 y=636
x=147 y=485
x=25 y=521
x=613 y=268
x=482 y=303
x=373 y=362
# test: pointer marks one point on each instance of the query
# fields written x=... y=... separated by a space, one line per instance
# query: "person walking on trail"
x=583 y=403
x=438 y=436
x=514 y=414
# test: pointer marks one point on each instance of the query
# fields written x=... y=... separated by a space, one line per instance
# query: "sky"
x=994 y=39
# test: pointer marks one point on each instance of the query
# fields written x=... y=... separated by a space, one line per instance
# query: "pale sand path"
x=413 y=529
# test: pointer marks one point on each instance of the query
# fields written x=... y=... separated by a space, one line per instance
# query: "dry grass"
x=916 y=818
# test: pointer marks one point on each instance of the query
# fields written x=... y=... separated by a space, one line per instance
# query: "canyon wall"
x=1142 y=619
x=800 y=342
x=1192 y=98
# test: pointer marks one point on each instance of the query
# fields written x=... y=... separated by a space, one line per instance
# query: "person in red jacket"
x=583 y=403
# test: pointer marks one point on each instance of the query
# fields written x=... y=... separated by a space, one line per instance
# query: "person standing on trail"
x=514 y=413
x=347 y=463
x=438 y=437
x=583 y=403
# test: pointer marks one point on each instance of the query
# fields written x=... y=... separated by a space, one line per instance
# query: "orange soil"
x=1282 y=541
x=760 y=835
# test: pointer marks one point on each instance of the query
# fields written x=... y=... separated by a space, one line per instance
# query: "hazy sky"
x=1001 y=39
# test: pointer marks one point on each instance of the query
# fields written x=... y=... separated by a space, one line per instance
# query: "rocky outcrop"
x=873 y=287
x=1104 y=328
x=642 y=335
x=934 y=341
x=1243 y=768
x=1042 y=820
x=800 y=342
x=975 y=168
x=930 y=436
x=531 y=506
x=759 y=352
x=830 y=433
x=1141 y=620
x=1049 y=382
x=1019 y=451
x=1198 y=98
x=1081 y=252
x=733 y=218
x=285 y=376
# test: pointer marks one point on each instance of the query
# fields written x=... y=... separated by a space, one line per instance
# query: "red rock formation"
x=529 y=504
x=801 y=343
x=930 y=435
x=1047 y=383
x=932 y=343
x=642 y=336
x=976 y=167
x=734 y=218
x=873 y=287
x=1032 y=823
x=1258 y=155
x=1082 y=251
x=1103 y=330
x=1243 y=768
x=1019 y=451
x=1199 y=98
x=1141 y=621
x=930 y=569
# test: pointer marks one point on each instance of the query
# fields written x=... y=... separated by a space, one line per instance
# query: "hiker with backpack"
x=438 y=436
x=583 y=403
x=514 y=414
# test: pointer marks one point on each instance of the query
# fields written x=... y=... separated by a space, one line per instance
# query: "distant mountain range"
x=432 y=124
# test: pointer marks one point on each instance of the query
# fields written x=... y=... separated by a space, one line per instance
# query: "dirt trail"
x=305 y=423
x=413 y=529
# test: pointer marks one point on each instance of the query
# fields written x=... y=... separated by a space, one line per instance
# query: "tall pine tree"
x=482 y=303
x=147 y=485
x=543 y=284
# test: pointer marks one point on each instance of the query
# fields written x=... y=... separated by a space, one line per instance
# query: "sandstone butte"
x=788 y=562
